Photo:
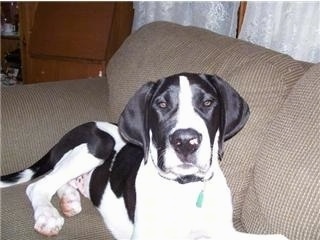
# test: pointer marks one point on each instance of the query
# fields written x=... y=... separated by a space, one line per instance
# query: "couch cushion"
x=262 y=76
x=285 y=193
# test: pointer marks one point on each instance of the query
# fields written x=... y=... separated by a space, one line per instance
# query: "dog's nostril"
x=185 y=141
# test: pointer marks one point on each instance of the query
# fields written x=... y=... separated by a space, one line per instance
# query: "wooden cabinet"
x=53 y=68
x=66 y=40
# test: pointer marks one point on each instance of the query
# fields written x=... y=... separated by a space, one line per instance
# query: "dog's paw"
x=70 y=200
x=70 y=205
x=48 y=220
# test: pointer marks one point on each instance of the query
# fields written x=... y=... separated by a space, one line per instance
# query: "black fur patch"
x=122 y=177
x=11 y=178
x=99 y=180
x=124 y=174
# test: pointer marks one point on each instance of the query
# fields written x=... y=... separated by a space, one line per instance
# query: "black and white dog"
x=154 y=176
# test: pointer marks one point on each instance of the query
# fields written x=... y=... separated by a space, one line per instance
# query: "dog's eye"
x=207 y=103
x=163 y=104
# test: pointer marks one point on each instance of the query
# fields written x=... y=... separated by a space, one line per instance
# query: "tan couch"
x=272 y=165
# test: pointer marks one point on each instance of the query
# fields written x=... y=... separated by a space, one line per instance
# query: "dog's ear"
x=132 y=123
x=234 y=111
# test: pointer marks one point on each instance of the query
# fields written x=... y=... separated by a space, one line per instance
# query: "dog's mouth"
x=186 y=169
x=186 y=173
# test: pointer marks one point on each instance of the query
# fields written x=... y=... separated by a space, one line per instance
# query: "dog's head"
x=180 y=120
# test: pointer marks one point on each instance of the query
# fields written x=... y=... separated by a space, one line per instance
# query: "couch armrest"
x=35 y=117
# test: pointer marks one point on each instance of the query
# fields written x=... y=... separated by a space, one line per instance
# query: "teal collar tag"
x=200 y=198
x=199 y=202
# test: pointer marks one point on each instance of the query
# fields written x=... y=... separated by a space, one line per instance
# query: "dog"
x=154 y=175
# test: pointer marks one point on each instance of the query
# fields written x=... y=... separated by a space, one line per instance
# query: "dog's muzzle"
x=185 y=143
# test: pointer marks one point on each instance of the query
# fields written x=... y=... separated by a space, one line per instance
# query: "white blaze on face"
x=186 y=112
x=188 y=118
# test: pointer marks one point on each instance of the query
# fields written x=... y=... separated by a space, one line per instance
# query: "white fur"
x=113 y=131
x=115 y=215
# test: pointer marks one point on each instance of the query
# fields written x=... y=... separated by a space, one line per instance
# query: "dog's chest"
x=166 y=208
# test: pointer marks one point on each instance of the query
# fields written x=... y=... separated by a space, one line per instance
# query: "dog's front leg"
x=151 y=212
x=73 y=164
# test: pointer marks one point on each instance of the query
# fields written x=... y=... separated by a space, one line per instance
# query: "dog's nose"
x=185 y=141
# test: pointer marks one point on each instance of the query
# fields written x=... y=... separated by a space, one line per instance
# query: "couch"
x=272 y=166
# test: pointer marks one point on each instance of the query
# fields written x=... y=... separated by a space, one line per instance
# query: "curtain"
x=220 y=17
x=292 y=28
